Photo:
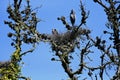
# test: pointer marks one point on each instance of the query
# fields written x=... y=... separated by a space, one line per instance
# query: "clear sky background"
x=38 y=65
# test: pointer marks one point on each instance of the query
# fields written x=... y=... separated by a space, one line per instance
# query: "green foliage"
x=12 y=69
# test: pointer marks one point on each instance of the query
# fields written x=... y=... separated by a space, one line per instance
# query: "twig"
x=24 y=53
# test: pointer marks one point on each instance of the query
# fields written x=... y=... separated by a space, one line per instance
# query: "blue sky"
x=38 y=65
